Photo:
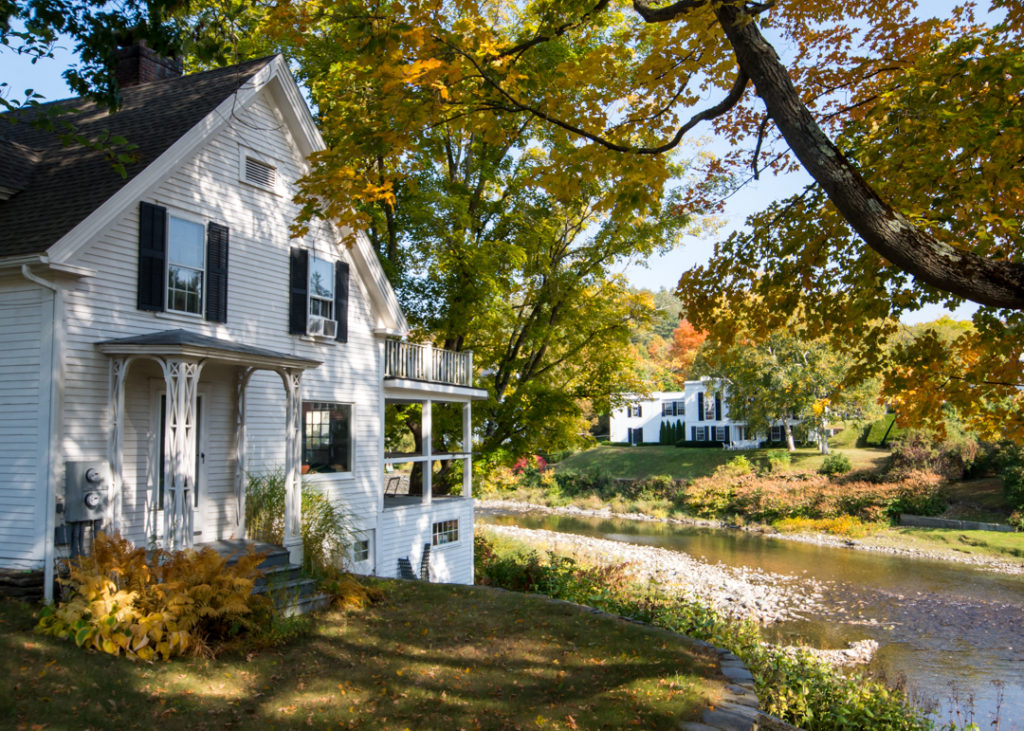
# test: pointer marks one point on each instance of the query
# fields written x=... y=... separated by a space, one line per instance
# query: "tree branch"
x=948 y=268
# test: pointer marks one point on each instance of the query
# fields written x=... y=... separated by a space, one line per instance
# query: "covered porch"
x=179 y=397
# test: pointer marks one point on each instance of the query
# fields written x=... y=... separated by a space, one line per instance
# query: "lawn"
x=428 y=656
x=1009 y=546
x=686 y=463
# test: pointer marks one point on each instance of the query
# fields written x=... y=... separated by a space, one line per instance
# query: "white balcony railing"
x=424 y=362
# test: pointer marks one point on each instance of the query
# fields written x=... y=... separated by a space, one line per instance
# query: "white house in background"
x=161 y=336
x=701 y=410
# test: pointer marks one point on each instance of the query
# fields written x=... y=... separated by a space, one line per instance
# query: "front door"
x=198 y=492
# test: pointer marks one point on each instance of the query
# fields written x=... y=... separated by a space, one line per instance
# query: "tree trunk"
x=949 y=268
x=790 y=444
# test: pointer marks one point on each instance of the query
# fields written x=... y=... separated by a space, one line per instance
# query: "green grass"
x=428 y=656
x=684 y=463
x=974 y=542
x=638 y=462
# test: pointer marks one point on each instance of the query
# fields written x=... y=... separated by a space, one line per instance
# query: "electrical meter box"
x=86 y=490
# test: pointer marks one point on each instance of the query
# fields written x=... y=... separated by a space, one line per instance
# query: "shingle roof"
x=176 y=341
x=60 y=186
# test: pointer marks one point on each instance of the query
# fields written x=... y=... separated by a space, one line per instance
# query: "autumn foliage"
x=151 y=605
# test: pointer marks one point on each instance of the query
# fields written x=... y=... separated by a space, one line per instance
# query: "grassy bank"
x=797 y=687
x=428 y=656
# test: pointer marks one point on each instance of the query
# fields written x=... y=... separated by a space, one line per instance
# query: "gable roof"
x=56 y=186
x=65 y=195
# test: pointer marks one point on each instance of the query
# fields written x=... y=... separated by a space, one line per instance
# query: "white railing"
x=424 y=362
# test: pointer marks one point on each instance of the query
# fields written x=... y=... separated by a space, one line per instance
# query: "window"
x=634 y=410
x=183 y=265
x=673 y=408
x=635 y=436
x=700 y=434
x=321 y=288
x=326 y=437
x=360 y=551
x=776 y=433
x=447 y=531
x=709 y=406
x=186 y=265
x=318 y=296
x=720 y=434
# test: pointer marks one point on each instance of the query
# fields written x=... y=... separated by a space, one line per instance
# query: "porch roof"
x=186 y=343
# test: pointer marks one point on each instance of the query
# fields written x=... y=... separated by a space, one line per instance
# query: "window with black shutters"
x=318 y=294
x=183 y=264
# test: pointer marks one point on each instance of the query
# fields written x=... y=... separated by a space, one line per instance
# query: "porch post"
x=182 y=378
x=292 y=464
x=426 y=427
x=241 y=462
x=115 y=447
x=467 y=448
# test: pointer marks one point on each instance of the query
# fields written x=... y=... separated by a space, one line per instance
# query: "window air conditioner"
x=321 y=326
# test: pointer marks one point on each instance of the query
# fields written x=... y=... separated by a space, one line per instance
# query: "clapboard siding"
x=26 y=310
x=405 y=530
x=103 y=307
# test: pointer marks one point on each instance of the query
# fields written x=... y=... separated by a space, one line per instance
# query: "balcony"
x=424 y=362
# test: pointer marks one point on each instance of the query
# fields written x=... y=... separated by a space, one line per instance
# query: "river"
x=954 y=633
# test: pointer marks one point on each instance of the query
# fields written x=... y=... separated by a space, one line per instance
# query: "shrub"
x=325 y=531
x=843 y=525
x=738 y=465
x=1013 y=486
x=835 y=464
x=159 y=605
x=918 y=450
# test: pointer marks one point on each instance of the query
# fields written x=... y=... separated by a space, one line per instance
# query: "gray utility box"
x=86 y=490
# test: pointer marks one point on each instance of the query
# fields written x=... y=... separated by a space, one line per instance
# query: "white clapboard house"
x=162 y=336
x=700 y=410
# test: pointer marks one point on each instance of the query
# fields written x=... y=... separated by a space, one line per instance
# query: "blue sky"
x=657 y=272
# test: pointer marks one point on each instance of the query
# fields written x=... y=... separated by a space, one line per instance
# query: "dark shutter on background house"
x=693 y=433
x=341 y=300
x=700 y=406
x=726 y=435
x=216 y=273
x=152 y=256
x=298 y=291
x=718 y=406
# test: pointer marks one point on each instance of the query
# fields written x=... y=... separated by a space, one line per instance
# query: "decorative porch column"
x=182 y=378
x=241 y=459
x=293 y=464
x=115 y=447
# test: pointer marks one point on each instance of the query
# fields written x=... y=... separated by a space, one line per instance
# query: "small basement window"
x=447 y=531
x=360 y=551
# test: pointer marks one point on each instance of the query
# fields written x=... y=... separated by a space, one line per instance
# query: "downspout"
x=50 y=509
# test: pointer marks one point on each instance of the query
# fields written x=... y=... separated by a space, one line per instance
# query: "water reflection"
x=950 y=630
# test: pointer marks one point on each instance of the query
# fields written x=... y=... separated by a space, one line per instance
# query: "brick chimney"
x=140 y=64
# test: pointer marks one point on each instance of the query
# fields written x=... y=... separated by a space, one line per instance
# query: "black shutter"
x=298 y=291
x=216 y=273
x=726 y=435
x=341 y=300
x=152 y=256
x=639 y=410
x=700 y=406
x=718 y=406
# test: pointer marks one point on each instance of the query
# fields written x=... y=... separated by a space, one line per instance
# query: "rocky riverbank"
x=743 y=593
x=878 y=545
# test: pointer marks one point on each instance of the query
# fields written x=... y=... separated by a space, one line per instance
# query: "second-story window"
x=321 y=288
x=186 y=265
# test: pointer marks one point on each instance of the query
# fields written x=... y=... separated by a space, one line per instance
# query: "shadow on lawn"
x=429 y=656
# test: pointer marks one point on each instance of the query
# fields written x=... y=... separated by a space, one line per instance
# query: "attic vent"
x=261 y=174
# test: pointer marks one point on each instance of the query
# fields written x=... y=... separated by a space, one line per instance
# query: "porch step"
x=282 y=580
